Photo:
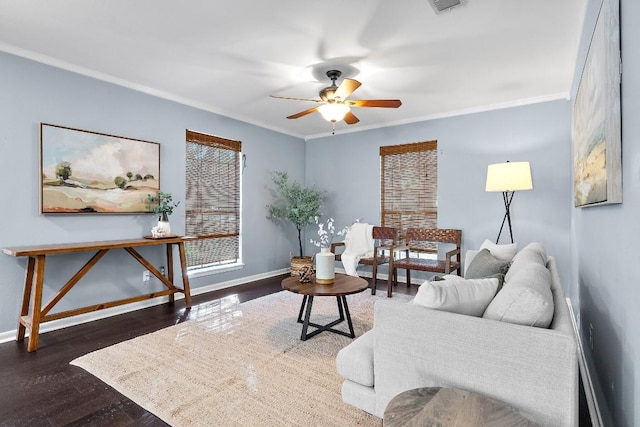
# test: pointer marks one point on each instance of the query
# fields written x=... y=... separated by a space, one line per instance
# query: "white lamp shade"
x=509 y=176
x=333 y=112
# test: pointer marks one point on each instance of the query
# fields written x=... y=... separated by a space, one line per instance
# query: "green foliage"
x=63 y=170
x=161 y=203
x=120 y=182
x=294 y=203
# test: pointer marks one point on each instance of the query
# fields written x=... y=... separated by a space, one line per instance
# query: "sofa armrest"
x=531 y=369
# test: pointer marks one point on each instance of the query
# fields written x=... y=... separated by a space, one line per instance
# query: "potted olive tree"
x=298 y=205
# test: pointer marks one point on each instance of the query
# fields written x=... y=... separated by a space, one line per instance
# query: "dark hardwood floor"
x=43 y=389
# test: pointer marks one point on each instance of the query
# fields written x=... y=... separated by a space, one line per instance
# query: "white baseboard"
x=589 y=391
x=114 y=311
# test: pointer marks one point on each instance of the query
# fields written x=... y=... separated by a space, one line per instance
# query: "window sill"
x=201 y=272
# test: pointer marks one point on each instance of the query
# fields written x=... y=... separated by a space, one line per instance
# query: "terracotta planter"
x=298 y=264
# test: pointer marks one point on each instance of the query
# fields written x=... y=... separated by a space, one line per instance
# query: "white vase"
x=163 y=225
x=325 y=267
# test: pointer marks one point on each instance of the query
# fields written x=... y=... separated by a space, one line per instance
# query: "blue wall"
x=34 y=93
x=596 y=248
x=345 y=165
x=605 y=248
x=348 y=166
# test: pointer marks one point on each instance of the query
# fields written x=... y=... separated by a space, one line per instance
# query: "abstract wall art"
x=597 y=141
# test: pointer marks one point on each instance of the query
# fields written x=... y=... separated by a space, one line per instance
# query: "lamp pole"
x=507 y=197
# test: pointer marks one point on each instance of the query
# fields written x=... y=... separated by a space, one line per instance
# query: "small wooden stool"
x=439 y=406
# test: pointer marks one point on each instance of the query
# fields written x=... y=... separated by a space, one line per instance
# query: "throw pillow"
x=469 y=255
x=459 y=295
x=526 y=299
x=502 y=252
x=484 y=265
x=499 y=276
x=533 y=253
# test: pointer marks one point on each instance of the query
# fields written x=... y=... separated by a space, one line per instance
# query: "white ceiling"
x=229 y=56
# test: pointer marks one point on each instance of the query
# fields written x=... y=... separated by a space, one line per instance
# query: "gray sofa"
x=532 y=369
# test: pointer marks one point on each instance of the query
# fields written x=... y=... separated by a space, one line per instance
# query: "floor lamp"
x=508 y=178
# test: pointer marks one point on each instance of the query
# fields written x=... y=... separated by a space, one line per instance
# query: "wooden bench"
x=426 y=240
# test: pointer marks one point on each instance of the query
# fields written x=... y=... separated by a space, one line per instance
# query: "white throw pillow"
x=526 y=299
x=533 y=253
x=457 y=295
x=502 y=252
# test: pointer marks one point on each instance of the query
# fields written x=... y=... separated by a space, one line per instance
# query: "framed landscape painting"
x=90 y=172
x=596 y=116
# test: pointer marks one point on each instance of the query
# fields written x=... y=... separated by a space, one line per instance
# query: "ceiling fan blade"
x=296 y=99
x=303 y=113
x=382 y=103
x=346 y=88
x=350 y=118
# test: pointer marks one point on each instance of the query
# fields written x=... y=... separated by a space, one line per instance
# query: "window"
x=212 y=200
x=409 y=186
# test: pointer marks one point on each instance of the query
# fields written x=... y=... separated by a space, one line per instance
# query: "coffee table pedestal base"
x=343 y=310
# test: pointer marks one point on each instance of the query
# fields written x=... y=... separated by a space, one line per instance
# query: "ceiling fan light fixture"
x=334 y=105
x=334 y=112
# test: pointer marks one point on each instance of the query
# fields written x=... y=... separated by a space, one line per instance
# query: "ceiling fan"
x=335 y=105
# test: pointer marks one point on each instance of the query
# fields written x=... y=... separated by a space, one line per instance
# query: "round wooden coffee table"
x=444 y=406
x=344 y=285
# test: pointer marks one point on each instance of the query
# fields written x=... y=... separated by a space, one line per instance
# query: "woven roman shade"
x=212 y=199
x=409 y=186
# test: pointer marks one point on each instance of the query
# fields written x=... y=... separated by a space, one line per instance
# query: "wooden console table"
x=35 y=279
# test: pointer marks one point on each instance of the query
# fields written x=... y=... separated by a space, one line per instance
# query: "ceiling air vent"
x=442 y=5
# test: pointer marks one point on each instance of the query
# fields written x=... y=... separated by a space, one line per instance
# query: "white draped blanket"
x=358 y=244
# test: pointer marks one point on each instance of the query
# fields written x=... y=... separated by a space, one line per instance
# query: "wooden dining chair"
x=425 y=240
x=385 y=238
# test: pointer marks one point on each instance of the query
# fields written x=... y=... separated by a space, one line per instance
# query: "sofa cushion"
x=498 y=276
x=355 y=361
x=457 y=295
x=525 y=299
x=532 y=253
x=502 y=252
x=484 y=264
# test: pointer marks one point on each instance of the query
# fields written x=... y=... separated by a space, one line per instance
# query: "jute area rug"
x=238 y=364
